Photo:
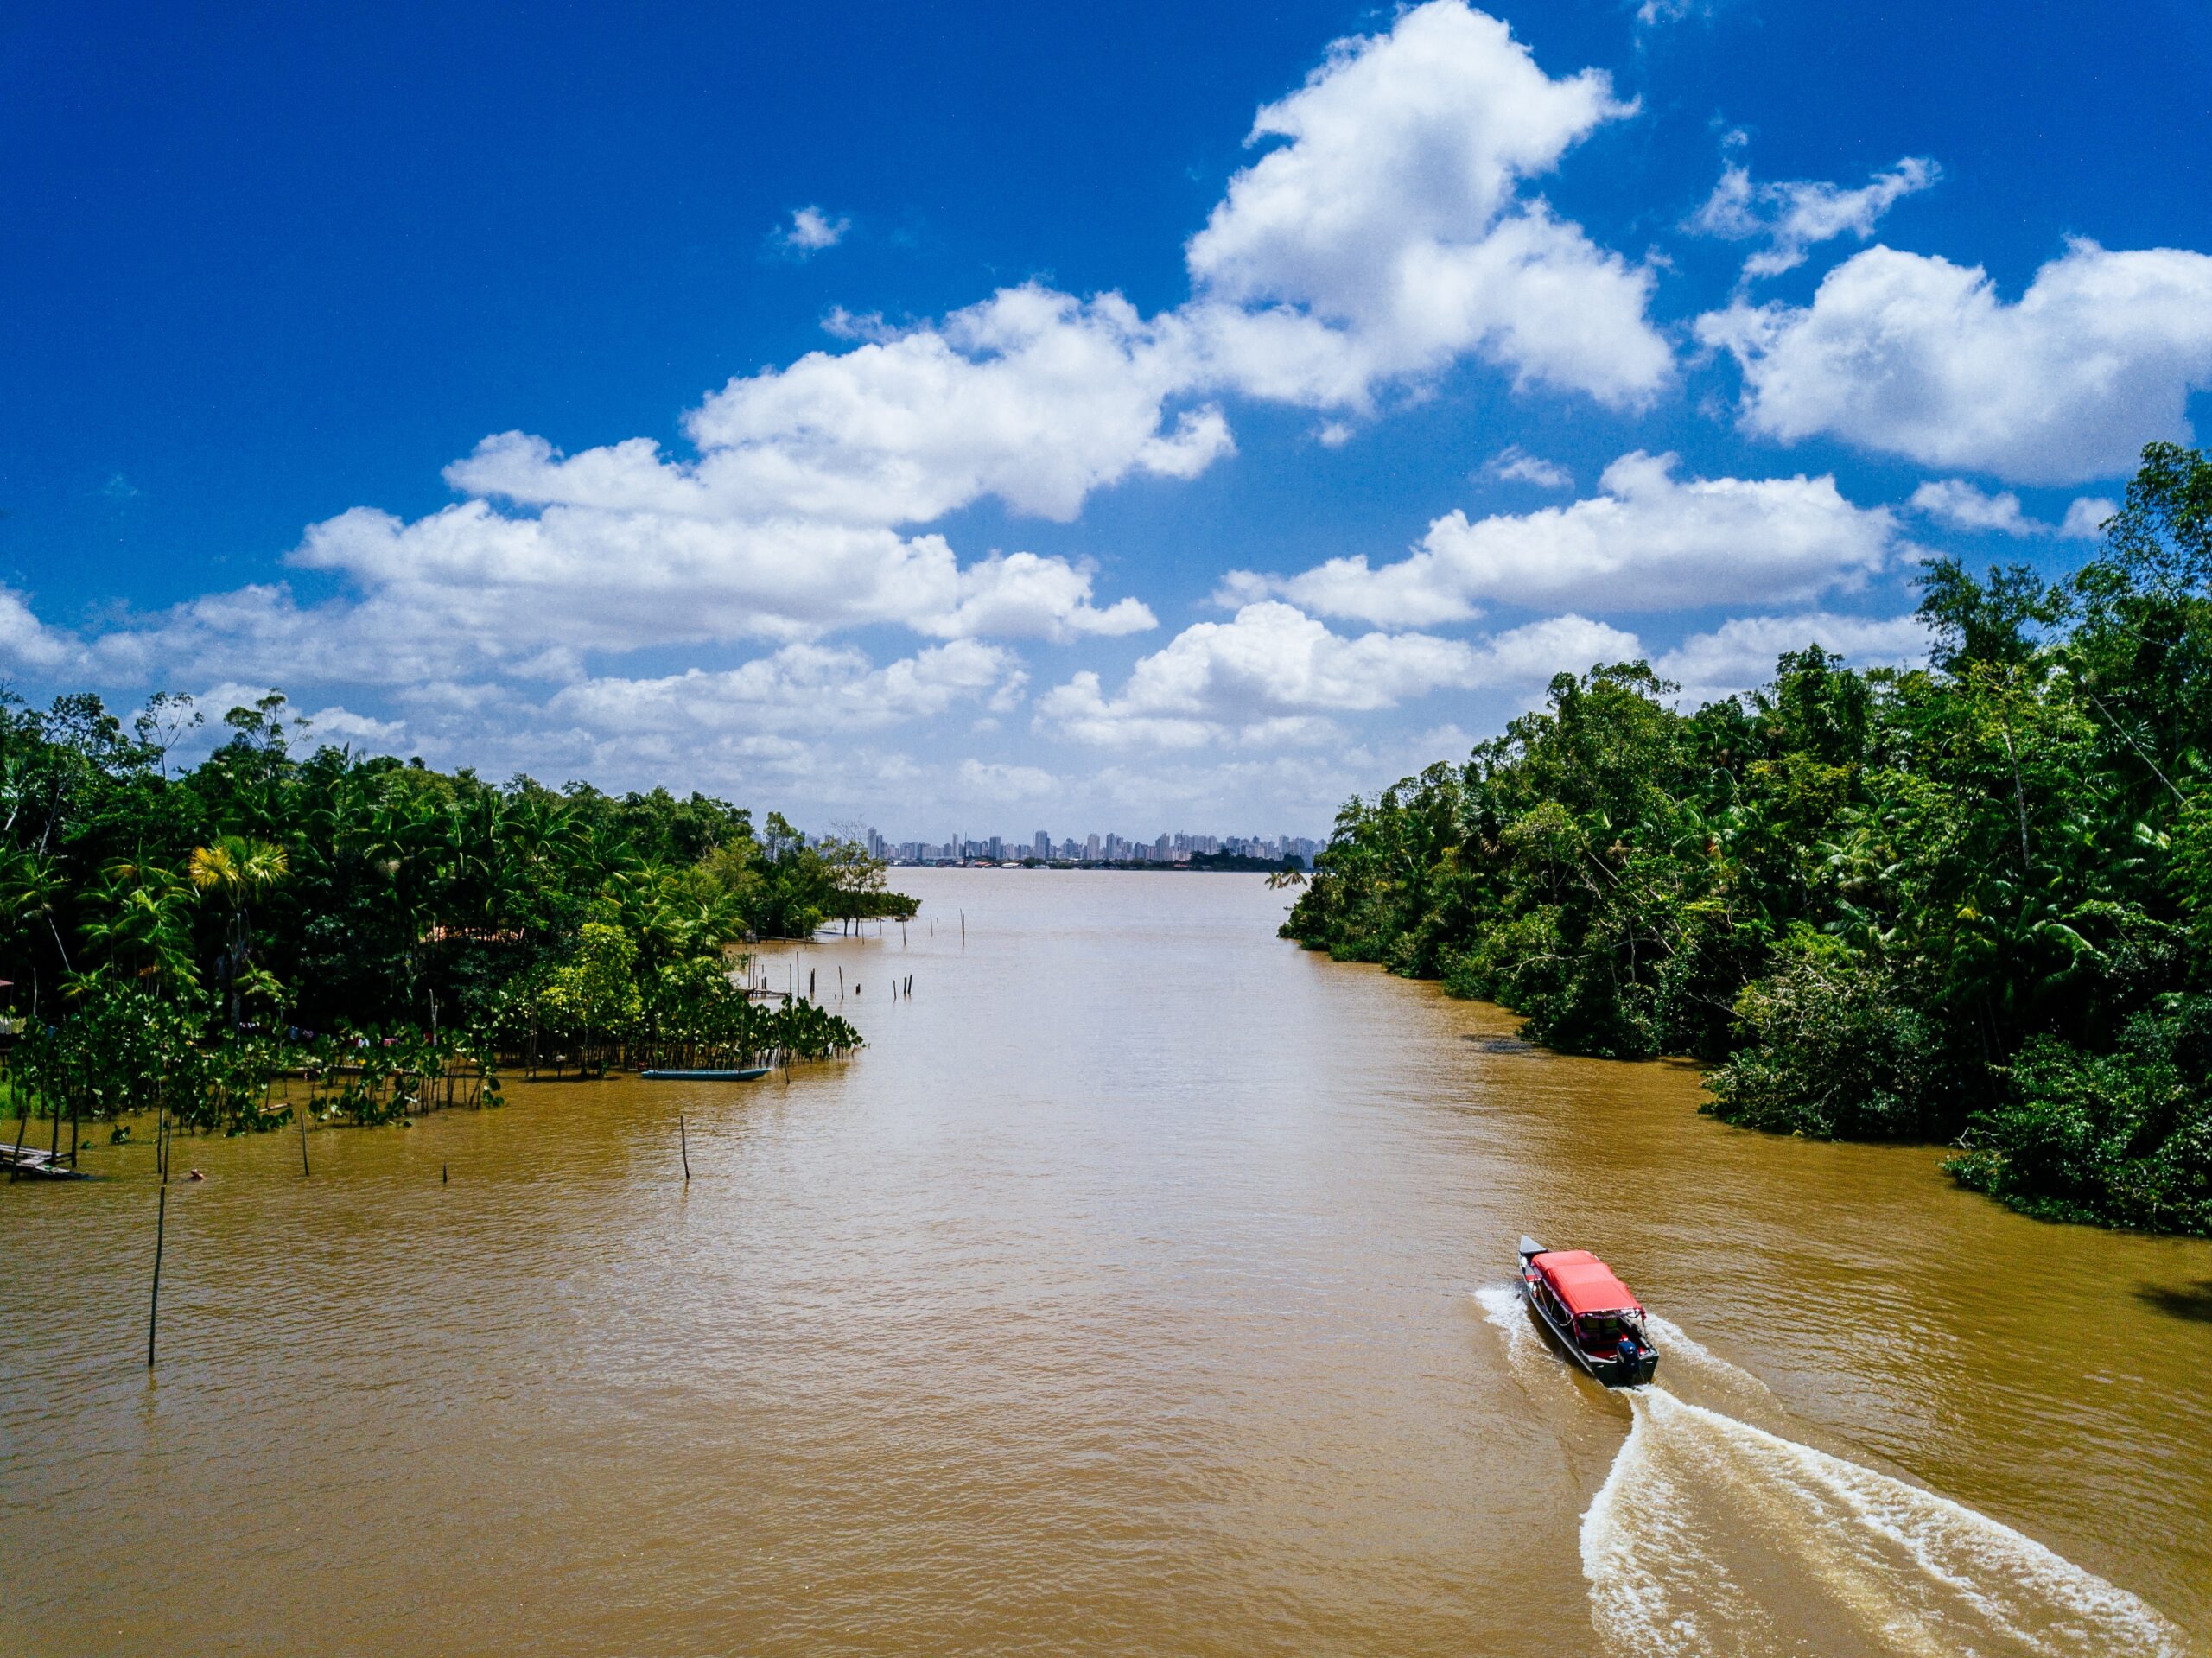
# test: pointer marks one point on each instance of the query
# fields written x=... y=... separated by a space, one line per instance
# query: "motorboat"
x=1590 y=1311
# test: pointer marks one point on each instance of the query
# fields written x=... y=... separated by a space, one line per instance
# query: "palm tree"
x=30 y=888
x=239 y=870
x=143 y=931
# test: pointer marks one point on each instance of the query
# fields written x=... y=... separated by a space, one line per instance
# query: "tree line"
x=177 y=938
x=1970 y=903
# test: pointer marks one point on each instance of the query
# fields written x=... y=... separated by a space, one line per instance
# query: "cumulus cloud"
x=1273 y=675
x=1793 y=217
x=802 y=688
x=2085 y=517
x=996 y=782
x=1959 y=503
x=810 y=231
x=27 y=644
x=1389 y=234
x=1648 y=541
x=339 y=724
x=1385 y=232
x=1515 y=464
x=1739 y=655
x=1389 y=223
x=1032 y=395
x=1913 y=355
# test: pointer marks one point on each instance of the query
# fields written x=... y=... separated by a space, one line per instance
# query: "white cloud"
x=1649 y=541
x=1915 y=356
x=1032 y=395
x=2085 y=517
x=1792 y=217
x=811 y=230
x=1958 y=503
x=1388 y=235
x=1023 y=596
x=801 y=688
x=991 y=781
x=1273 y=675
x=1739 y=655
x=338 y=724
x=1515 y=464
x=27 y=644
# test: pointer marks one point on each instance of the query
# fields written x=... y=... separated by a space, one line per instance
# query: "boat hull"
x=751 y=1073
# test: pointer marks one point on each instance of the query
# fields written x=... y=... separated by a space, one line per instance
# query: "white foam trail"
x=1525 y=1351
x=1501 y=1305
x=1713 y=1537
x=1677 y=1344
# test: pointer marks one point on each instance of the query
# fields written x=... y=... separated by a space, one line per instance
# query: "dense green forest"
x=179 y=937
x=1970 y=903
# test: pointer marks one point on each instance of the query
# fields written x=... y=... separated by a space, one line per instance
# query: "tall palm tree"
x=238 y=870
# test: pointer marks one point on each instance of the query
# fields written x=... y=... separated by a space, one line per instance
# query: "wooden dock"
x=36 y=1163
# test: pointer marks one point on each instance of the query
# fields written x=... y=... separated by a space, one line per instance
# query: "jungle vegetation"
x=1970 y=903
x=178 y=937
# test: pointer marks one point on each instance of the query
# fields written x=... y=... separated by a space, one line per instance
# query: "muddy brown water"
x=1142 y=1287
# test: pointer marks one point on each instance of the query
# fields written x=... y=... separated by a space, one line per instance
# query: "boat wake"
x=1713 y=1537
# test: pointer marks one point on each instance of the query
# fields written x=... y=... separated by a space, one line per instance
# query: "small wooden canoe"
x=751 y=1073
x=1590 y=1312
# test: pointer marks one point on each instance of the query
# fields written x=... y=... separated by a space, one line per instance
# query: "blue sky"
x=1120 y=418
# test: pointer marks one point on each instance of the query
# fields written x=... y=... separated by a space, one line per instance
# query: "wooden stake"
x=684 y=1144
x=444 y=1173
x=22 y=1127
x=304 y=1170
x=154 y=1310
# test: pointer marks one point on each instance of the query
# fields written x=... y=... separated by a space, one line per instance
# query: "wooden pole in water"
x=683 y=1145
x=443 y=1171
x=304 y=1170
x=22 y=1127
x=154 y=1310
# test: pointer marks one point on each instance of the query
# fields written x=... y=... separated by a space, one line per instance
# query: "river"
x=1140 y=1287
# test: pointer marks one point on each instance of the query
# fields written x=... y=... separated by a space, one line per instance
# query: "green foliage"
x=1971 y=903
x=596 y=988
x=1838 y=1049
x=2122 y=1136
x=429 y=916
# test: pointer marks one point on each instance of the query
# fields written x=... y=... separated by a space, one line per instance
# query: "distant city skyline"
x=1167 y=846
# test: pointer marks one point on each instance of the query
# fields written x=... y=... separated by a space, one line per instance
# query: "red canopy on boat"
x=1585 y=1283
